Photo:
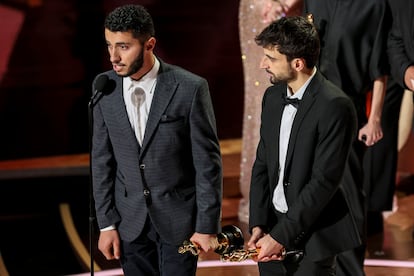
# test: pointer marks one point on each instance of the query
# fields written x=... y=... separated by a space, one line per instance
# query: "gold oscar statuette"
x=229 y=245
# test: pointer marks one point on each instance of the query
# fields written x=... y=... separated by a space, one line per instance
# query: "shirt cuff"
x=111 y=227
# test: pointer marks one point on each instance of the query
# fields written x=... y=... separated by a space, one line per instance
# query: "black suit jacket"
x=178 y=165
x=318 y=218
x=401 y=39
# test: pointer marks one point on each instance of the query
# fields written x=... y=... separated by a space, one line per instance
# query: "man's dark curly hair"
x=131 y=18
x=294 y=37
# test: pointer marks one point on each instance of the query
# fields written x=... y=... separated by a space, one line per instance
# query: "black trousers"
x=351 y=262
x=148 y=255
x=305 y=267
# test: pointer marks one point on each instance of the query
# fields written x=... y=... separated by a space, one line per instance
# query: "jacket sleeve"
x=207 y=161
x=260 y=193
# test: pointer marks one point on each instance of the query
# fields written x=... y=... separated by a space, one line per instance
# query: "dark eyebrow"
x=270 y=57
x=122 y=43
x=119 y=43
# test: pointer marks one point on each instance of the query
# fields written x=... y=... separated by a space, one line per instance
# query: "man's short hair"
x=131 y=18
x=294 y=37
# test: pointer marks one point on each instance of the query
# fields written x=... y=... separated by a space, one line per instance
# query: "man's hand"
x=371 y=133
x=206 y=242
x=268 y=248
x=257 y=233
x=409 y=77
x=109 y=244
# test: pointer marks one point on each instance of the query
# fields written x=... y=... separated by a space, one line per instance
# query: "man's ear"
x=150 y=44
x=298 y=64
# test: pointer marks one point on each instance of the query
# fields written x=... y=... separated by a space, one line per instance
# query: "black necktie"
x=293 y=101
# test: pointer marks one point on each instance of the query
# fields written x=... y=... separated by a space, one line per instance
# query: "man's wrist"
x=111 y=227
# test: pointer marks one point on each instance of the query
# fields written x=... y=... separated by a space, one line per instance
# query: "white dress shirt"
x=147 y=84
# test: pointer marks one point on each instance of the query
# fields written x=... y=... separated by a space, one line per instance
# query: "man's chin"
x=121 y=74
x=273 y=81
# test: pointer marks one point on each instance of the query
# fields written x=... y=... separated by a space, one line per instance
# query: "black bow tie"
x=293 y=101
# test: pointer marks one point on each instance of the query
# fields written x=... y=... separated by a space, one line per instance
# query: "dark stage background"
x=60 y=48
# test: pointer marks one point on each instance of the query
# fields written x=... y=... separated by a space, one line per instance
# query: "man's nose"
x=114 y=57
x=263 y=63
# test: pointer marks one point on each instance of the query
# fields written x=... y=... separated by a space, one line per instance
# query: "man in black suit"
x=401 y=43
x=307 y=128
x=156 y=161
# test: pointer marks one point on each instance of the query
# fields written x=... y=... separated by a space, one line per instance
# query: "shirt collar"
x=301 y=91
x=147 y=81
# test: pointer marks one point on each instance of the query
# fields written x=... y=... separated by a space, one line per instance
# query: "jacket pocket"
x=185 y=193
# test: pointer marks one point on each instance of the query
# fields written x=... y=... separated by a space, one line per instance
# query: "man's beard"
x=282 y=78
x=136 y=64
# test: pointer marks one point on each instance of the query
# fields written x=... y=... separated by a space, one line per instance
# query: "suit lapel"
x=304 y=107
x=120 y=112
x=164 y=90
